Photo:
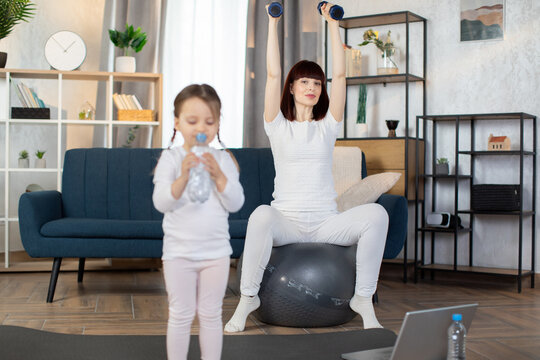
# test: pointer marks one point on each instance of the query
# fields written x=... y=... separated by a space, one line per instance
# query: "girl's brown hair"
x=307 y=69
x=202 y=91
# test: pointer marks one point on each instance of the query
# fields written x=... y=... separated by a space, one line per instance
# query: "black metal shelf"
x=444 y=230
x=406 y=18
x=399 y=17
x=382 y=79
x=496 y=153
x=469 y=117
x=439 y=176
x=485 y=212
x=470 y=121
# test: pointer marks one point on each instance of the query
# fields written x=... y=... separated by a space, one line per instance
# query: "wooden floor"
x=506 y=326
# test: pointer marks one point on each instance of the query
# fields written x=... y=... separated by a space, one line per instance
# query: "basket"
x=136 y=115
x=489 y=197
x=30 y=113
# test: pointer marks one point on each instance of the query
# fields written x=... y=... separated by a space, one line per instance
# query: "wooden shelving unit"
x=155 y=81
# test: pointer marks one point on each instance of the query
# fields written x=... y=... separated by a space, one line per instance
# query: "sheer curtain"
x=204 y=42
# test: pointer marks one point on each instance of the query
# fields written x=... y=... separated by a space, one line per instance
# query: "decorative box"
x=30 y=113
x=136 y=115
x=490 y=197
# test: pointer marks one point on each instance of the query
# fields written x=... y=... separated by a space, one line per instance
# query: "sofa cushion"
x=103 y=228
x=109 y=184
x=238 y=228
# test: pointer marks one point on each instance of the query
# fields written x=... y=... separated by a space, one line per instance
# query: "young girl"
x=302 y=129
x=196 y=246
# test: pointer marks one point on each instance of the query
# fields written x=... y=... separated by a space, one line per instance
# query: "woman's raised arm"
x=338 y=92
x=272 y=94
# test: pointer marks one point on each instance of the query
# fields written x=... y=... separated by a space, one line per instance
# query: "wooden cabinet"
x=392 y=155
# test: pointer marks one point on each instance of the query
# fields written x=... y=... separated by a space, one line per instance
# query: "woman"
x=302 y=129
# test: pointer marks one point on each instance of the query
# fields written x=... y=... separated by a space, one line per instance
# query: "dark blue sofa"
x=105 y=209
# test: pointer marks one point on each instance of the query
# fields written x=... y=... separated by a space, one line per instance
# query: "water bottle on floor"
x=456 y=339
x=199 y=183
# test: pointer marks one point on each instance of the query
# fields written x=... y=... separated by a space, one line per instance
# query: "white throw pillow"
x=367 y=190
x=346 y=167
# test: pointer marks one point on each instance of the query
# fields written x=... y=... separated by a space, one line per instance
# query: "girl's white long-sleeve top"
x=192 y=230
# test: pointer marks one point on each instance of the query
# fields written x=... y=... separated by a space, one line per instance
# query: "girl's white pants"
x=195 y=287
x=366 y=225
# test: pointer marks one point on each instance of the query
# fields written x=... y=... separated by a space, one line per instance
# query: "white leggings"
x=195 y=286
x=366 y=225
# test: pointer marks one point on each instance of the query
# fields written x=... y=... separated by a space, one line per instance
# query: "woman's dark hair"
x=307 y=69
x=204 y=92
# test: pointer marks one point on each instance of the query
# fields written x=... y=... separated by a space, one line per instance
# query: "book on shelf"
x=126 y=102
x=27 y=96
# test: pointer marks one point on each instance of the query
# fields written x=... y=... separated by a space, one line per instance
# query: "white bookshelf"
x=155 y=81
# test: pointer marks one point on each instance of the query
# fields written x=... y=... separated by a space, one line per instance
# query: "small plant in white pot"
x=441 y=168
x=24 y=162
x=131 y=40
x=40 y=161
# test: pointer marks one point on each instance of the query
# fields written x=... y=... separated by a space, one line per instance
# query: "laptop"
x=423 y=335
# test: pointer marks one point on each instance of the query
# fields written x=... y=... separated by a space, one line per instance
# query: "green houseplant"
x=441 y=168
x=131 y=40
x=40 y=161
x=11 y=13
x=24 y=162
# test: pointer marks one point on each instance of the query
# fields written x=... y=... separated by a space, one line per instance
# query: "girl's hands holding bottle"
x=179 y=185
x=215 y=172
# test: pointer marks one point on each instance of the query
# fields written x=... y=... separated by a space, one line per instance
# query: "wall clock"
x=65 y=50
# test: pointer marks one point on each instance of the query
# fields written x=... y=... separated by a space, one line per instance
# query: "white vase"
x=40 y=163
x=359 y=130
x=125 y=64
x=24 y=163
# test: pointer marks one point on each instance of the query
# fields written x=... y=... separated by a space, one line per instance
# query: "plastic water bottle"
x=336 y=11
x=199 y=183
x=456 y=339
x=275 y=9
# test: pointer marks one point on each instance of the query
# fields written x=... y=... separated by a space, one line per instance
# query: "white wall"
x=25 y=48
x=463 y=78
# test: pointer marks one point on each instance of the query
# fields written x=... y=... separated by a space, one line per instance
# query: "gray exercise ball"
x=308 y=285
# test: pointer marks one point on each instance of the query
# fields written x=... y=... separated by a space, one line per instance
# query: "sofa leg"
x=81 y=269
x=375 y=298
x=54 y=276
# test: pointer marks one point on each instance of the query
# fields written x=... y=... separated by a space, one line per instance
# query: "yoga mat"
x=30 y=344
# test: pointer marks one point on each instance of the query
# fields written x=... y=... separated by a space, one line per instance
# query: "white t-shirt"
x=191 y=230
x=303 y=162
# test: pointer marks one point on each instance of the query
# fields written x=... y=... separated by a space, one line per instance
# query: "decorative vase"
x=360 y=130
x=87 y=111
x=3 y=59
x=125 y=64
x=24 y=163
x=392 y=126
x=387 y=60
x=442 y=169
x=40 y=163
x=353 y=62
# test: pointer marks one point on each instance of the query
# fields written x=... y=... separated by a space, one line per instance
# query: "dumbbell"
x=275 y=9
x=336 y=11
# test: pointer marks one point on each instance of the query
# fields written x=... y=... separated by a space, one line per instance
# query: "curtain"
x=149 y=16
x=299 y=33
x=205 y=43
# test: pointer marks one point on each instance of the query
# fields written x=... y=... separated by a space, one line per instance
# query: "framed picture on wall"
x=482 y=20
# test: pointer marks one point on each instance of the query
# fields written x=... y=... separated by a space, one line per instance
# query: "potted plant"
x=24 y=162
x=441 y=168
x=11 y=13
x=40 y=161
x=131 y=40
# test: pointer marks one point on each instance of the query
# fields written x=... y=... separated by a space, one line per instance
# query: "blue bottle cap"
x=201 y=137
x=275 y=9
x=456 y=317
